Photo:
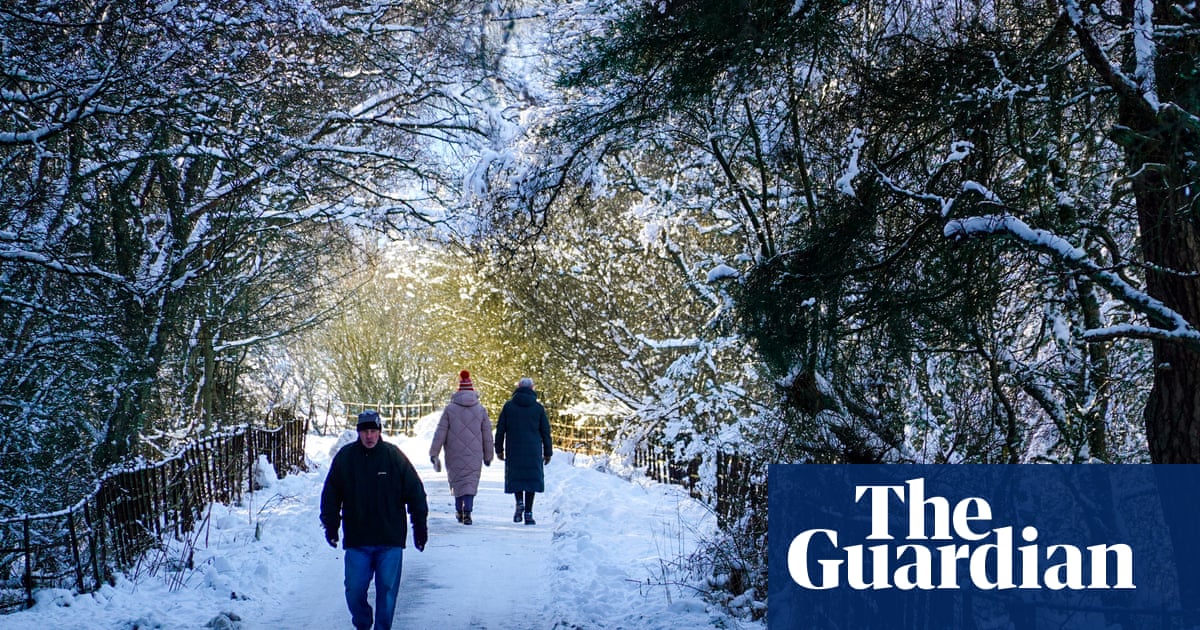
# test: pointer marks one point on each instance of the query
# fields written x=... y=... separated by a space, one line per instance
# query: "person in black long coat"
x=525 y=429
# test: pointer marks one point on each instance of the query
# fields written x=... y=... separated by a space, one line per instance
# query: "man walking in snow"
x=525 y=426
x=465 y=432
x=369 y=486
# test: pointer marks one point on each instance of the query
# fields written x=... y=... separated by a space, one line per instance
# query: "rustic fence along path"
x=130 y=512
x=83 y=546
x=397 y=419
x=739 y=489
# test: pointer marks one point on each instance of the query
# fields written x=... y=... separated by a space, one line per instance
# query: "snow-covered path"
x=494 y=562
x=601 y=556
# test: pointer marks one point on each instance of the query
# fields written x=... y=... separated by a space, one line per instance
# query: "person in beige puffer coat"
x=465 y=433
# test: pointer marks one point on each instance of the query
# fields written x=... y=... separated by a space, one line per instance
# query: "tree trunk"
x=1160 y=149
x=1171 y=245
x=142 y=332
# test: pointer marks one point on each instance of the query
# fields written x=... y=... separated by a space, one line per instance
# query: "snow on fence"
x=741 y=492
x=738 y=491
x=131 y=510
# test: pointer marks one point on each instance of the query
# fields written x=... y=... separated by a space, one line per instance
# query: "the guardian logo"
x=960 y=547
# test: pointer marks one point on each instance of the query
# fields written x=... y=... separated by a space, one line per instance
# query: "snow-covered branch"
x=1141 y=87
x=1175 y=327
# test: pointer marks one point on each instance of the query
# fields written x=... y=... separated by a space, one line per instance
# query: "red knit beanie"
x=464 y=381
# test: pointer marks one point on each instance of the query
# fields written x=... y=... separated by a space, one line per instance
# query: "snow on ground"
x=605 y=554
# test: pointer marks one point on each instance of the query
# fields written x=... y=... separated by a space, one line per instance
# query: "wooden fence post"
x=105 y=540
x=93 y=547
x=75 y=549
x=195 y=475
x=212 y=468
x=145 y=500
x=243 y=479
x=199 y=475
x=225 y=467
x=114 y=515
x=251 y=454
x=164 y=497
x=152 y=499
x=186 y=496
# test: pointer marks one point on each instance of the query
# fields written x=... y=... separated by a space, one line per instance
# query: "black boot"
x=517 y=514
x=459 y=516
x=529 y=519
x=466 y=519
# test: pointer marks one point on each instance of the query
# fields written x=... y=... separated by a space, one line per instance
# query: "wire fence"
x=131 y=511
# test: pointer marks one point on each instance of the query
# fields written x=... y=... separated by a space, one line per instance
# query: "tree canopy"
x=177 y=183
x=792 y=230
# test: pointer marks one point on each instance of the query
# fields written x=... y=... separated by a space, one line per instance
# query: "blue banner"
x=927 y=547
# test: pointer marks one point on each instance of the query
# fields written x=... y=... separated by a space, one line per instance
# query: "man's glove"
x=437 y=463
x=546 y=460
x=500 y=454
x=331 y=537
x=420 y=535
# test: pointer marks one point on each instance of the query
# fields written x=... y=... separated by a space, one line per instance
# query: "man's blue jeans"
x=385 y=564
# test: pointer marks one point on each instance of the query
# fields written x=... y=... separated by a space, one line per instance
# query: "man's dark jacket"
x=367 y=490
